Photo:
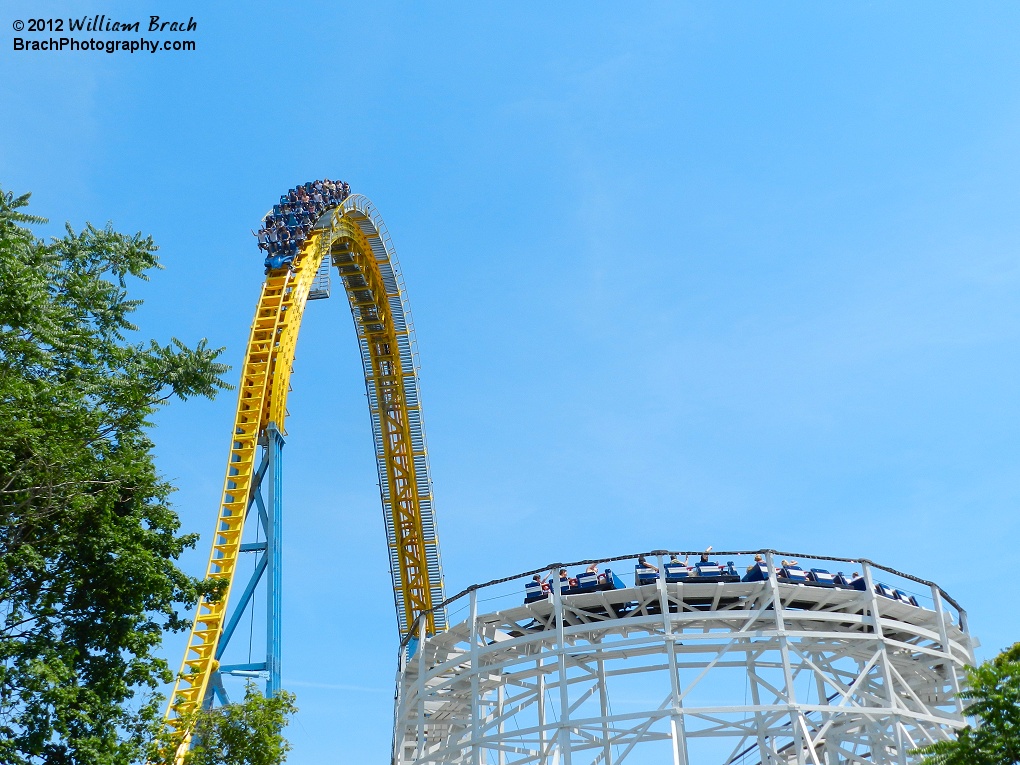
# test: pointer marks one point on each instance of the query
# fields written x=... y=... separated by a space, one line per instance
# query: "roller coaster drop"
x=352 y=237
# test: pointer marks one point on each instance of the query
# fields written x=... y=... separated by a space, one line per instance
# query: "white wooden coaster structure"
x=735 y=673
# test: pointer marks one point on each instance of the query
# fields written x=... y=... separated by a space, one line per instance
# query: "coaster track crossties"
x=352 y=237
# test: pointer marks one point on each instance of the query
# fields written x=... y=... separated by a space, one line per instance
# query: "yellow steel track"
x=354 y=237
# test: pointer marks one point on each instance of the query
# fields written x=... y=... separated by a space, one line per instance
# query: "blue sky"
x=741 y=274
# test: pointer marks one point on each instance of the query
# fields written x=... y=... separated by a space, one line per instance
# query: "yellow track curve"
x=354 y=237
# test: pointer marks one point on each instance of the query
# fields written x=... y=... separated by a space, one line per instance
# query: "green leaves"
x=88 y=539
x=993 y=688
x=248 y=733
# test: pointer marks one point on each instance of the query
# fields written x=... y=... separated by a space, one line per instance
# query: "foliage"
x=248 y=733
x=88 y=541
x=993 y=690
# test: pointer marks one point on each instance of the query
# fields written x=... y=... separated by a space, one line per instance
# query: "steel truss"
x=782 y=673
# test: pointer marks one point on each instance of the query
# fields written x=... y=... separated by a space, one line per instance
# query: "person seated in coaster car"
x=536 y=589
x=645 y=565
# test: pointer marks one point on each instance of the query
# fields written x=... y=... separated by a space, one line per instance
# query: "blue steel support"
x=241 y=607
x=270 y=518
x=256 y=487
x=261 y=505
x=255 y=666
x=274 y=514
x=217 y=691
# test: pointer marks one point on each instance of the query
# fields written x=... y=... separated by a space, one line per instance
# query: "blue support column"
x=274 y=555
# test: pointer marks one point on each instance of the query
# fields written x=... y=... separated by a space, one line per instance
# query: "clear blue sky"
x=741 y=274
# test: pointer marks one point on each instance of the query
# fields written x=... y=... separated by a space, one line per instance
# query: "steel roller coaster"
x=351 y=237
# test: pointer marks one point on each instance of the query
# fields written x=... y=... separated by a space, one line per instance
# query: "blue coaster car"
x=711 y=571
x=533 y=591
x=678 y=572
x=274 y=262
x=644 y=575
x=907 y=598
x=819 y=577
x=793 y=575
x=880 y=587
x=610 y=581
x=885 y=591
x=758 y=572
x=587 y=582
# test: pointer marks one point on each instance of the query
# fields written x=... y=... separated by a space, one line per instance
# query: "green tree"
x=88 y=540
x=993 y=690
x=248 y=733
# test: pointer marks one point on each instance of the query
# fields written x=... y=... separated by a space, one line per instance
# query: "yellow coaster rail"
x=353 y=238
